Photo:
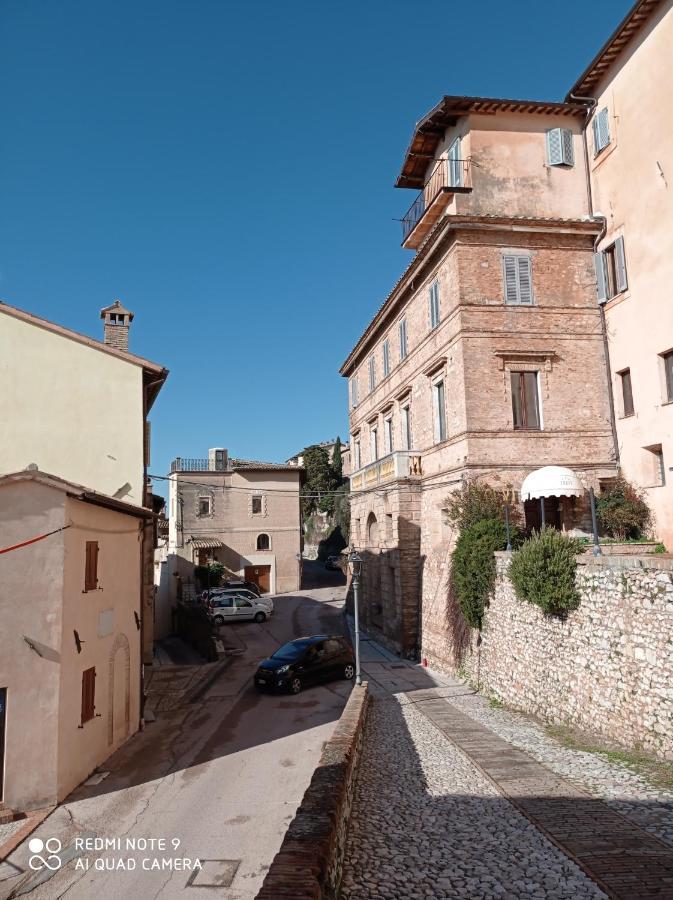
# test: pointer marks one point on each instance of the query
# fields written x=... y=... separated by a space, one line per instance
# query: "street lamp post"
x=356 y=567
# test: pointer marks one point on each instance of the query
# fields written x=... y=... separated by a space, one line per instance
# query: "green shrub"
x=474 y=502
x=543 y=571
x=209 y=576
x=623 y=511
x=473 y=567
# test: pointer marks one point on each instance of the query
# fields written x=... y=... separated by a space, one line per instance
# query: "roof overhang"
x=200 y=543
x=551 y=481
x=430 y=130
x=76 y=491
x=628 y=28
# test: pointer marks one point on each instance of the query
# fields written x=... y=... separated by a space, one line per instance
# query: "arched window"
x=372 y=531
x=263 y=542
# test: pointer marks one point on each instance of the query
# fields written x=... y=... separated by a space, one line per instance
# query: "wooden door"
x=261 y=575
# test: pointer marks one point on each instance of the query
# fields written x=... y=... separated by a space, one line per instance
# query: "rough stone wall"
x=308 y=864
x=606 y=669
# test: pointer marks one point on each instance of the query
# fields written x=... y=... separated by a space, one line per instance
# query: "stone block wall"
x=308 y=864
x=606 y=669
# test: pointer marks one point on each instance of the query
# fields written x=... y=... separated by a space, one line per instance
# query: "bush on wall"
x=474 y=502
x=473 y=567
x=623 y=511
x=543 y=571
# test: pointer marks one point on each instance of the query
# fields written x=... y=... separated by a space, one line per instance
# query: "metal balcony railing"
x=187 y=464
x=398 y=464
x=447 y=176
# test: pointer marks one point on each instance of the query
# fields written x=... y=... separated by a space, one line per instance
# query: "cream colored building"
x=77 y=408
x=70 y=607
x=629 y=137
x=242 y=513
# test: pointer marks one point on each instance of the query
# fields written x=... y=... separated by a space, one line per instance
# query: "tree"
x=337 y=463
x=623 y=511
x=319 y=481
x=474 y=501
x=473 y=567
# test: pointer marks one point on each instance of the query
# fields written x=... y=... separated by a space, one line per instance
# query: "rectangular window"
x=601 y=130
x=440 y=411
x=656 y=455
x=517 y=278
x=386 y=358
x=88 y=694
x=560 y=147
x=525 y=400
x=668 y=372
x=374 y=434
x=372 y=373
x=611 y=270
x=204 y=506
x=403 y=338
x=406 y=428
x=354 y=391
x=627 y=392
x=389 y=434
x=91 y=566
x=455 y=165
x=256 y=506
x=434 y=304
x=356 y=453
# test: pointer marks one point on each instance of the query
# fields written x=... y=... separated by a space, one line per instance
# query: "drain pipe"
x=591 y=103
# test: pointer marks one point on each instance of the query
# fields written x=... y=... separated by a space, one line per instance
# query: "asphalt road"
x=217 y=780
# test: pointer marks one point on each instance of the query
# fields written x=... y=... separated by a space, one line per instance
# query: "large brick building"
x=487 y=358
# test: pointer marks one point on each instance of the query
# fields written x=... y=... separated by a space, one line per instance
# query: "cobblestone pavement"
x=427 y=825
x=621 y=788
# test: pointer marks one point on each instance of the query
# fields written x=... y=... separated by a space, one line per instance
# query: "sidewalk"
x=456 y=799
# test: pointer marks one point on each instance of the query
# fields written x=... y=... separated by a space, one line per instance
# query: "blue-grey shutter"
x=455 y=166
x=568 y=153
x=524 y=280
x=510 y=279
x=554 y=147
x=601 y=277
x=604 y=127
x=594 y=128
x=620 y=265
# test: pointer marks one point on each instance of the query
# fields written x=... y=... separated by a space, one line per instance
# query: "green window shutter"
x=601 y=277
x=620 y=265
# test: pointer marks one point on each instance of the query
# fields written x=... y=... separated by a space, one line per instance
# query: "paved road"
x=222 y=776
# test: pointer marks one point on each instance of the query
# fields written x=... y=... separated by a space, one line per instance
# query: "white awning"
x=551 y=481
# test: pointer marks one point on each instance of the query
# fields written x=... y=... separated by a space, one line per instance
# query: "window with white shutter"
x=560 y=147
x=517 y=278
x=386 y=358
x=372 y=373
x=354 y=391
x=601 y=130
x=611 y=271
x=403 y=338
x=455 y=165
x=434 y=304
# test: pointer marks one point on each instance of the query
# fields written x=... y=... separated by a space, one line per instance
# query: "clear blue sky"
x=226 y=170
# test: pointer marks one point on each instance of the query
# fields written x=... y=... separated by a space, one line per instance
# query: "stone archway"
x=120 y=643
x=372 y=532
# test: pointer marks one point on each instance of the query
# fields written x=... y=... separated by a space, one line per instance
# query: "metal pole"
x=544 y=521
x=509 y=542
x=356 y=597
x=594 y=526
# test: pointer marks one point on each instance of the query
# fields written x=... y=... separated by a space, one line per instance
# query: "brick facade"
x=479 y=342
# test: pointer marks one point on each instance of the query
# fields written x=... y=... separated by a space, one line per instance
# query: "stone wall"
x=308 y=864
x=606 y=669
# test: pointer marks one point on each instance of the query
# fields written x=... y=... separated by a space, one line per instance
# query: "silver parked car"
x=224 y=608
x=234 y=592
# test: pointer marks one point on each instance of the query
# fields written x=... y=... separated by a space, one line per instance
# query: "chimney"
x=116 y=329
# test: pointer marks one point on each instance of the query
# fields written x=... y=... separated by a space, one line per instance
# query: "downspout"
x=591 y=103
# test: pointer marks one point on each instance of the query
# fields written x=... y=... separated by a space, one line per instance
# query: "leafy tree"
x=474 y=501
x=342 y=509
x=473 y=567
x=337 y=462
x=543 y=571
x=623 y=511
x=319 y=480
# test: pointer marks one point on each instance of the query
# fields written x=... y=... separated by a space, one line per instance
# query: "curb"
x=33 y=820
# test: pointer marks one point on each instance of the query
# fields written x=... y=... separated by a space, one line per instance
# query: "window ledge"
x=629 y=416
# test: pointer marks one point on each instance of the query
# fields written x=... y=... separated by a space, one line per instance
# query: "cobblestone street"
x=432 y=819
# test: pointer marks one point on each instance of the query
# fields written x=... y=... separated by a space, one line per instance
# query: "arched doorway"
x=372 y=531
x=119 y=691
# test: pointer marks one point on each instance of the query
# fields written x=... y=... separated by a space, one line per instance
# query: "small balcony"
x=398 y=464
x=186 y=464
x=448 y=177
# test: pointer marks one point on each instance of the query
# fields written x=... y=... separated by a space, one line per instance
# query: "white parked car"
x=234 y=592
x=224 y=608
